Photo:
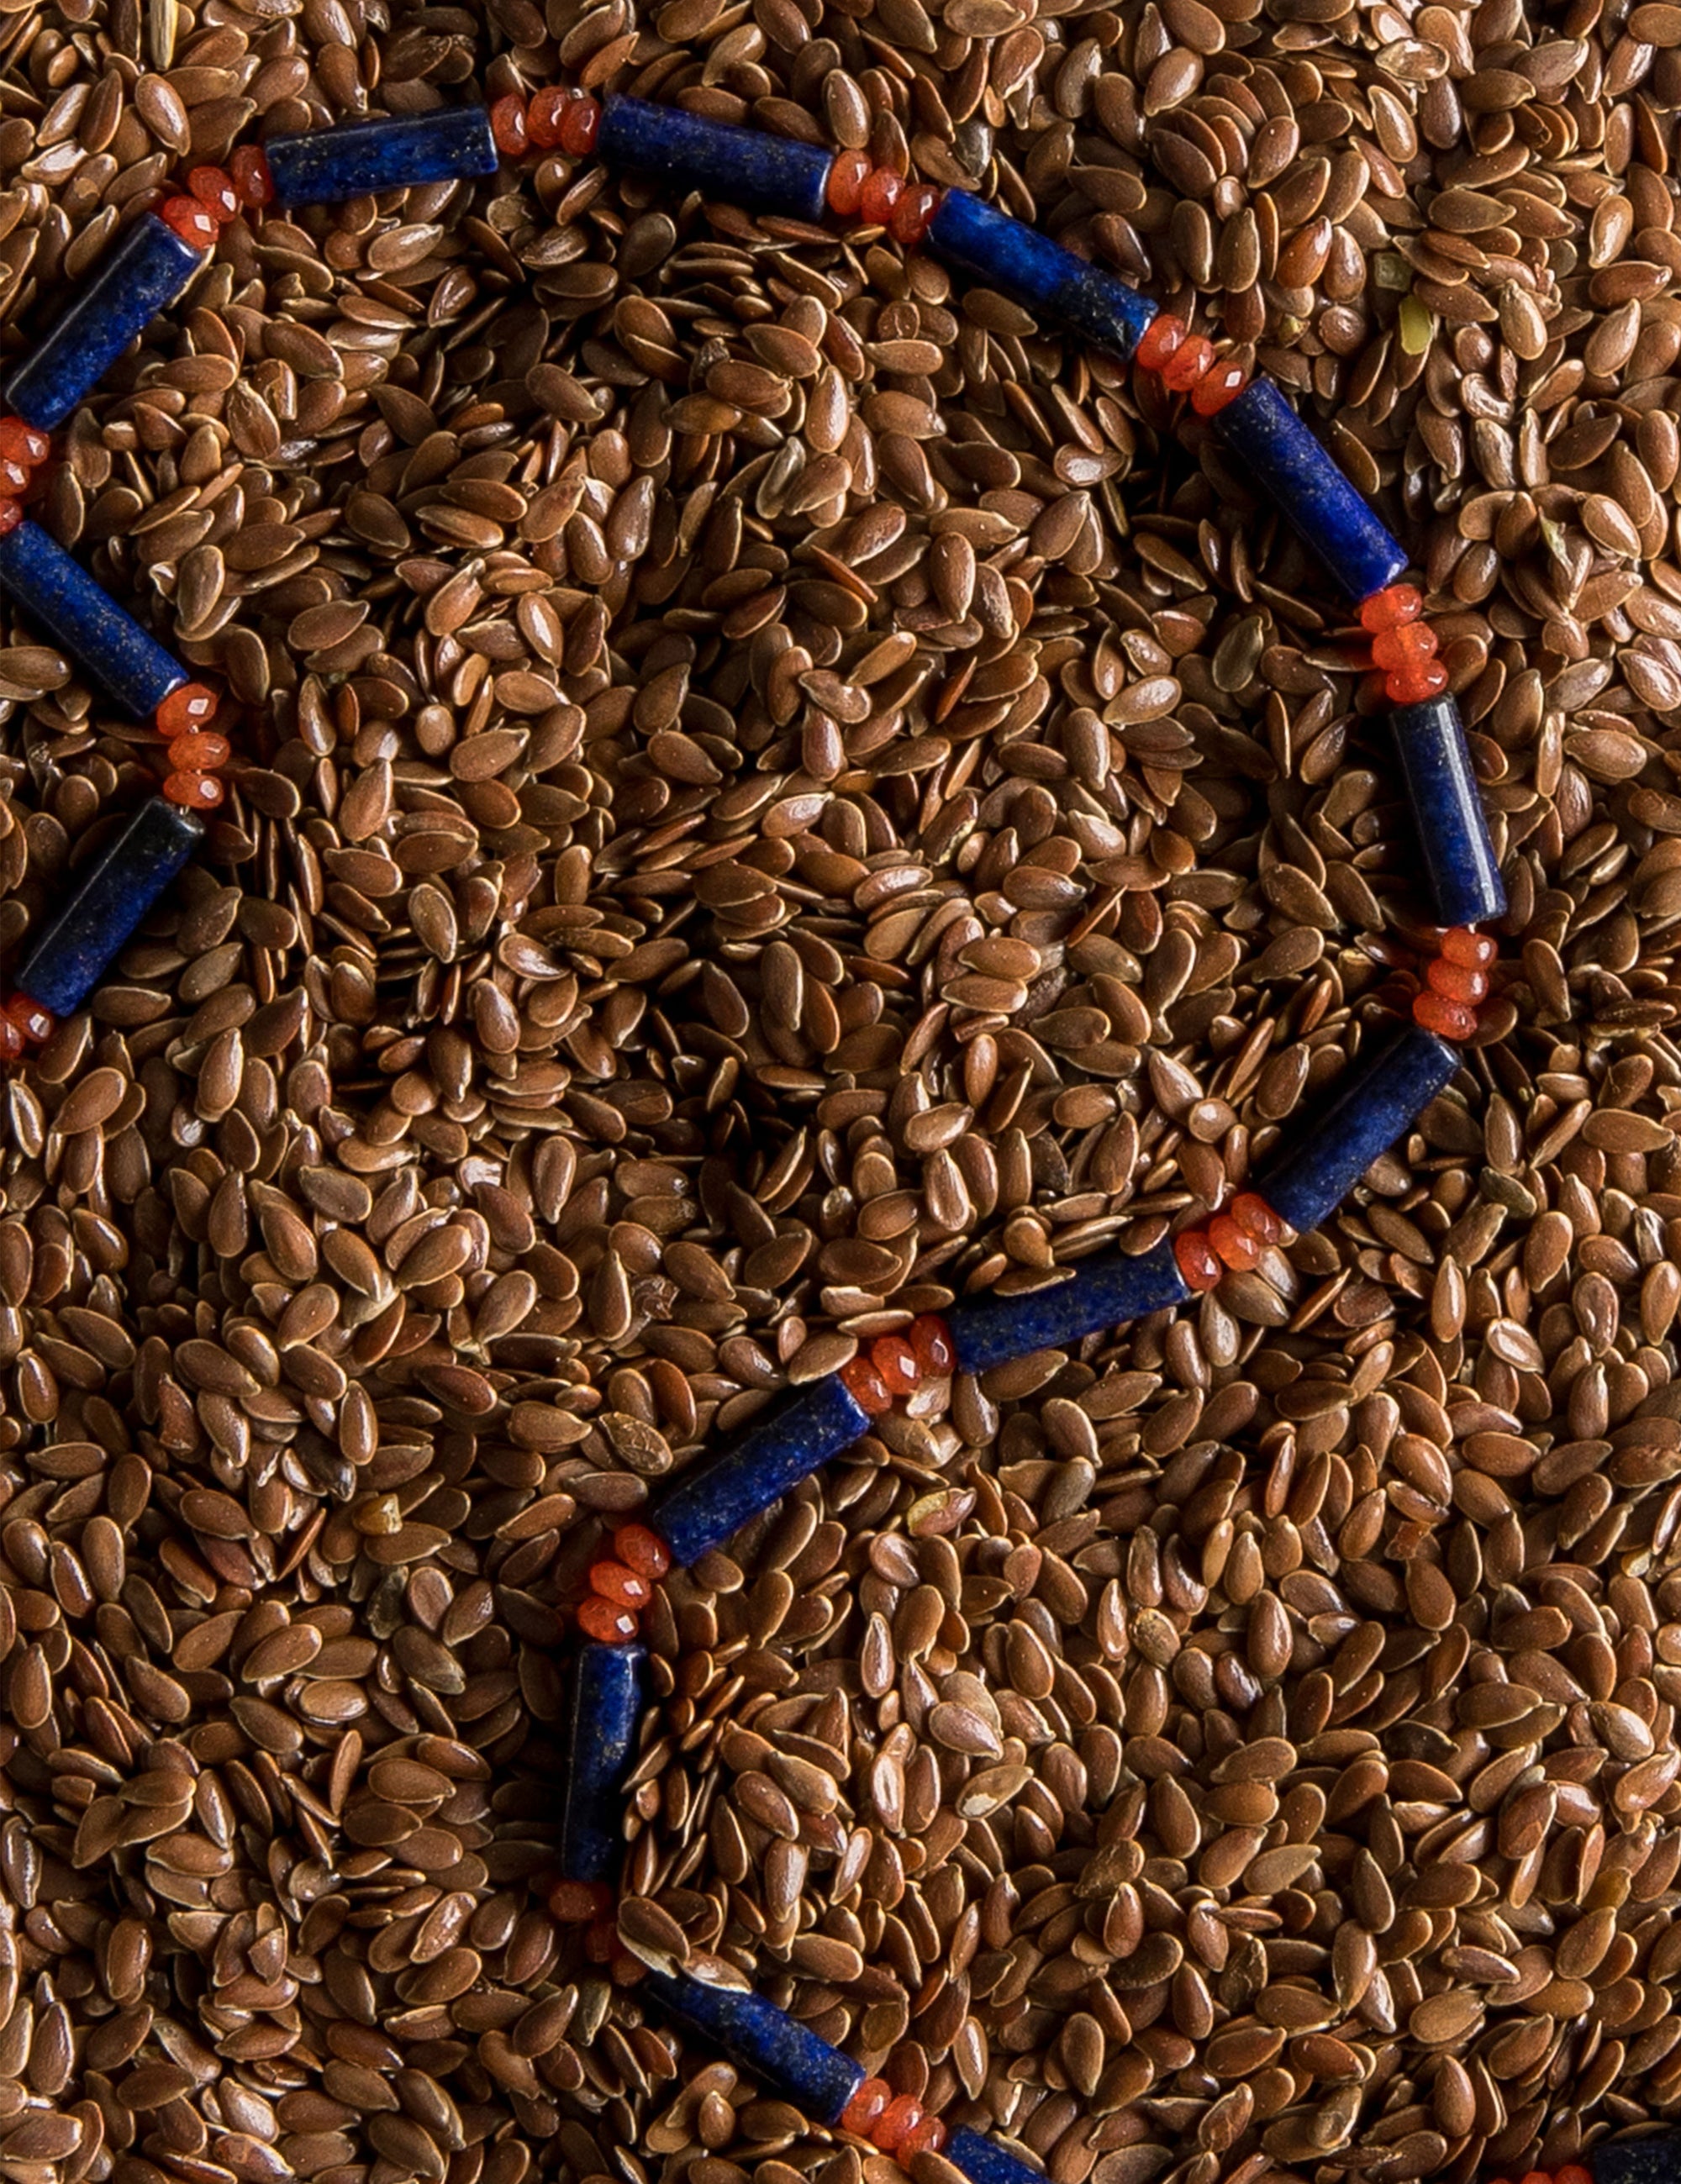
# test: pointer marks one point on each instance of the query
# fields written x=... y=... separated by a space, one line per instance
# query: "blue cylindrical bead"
x=984 y=2161
x=1380 y=1097
x=360 y=158
x=744 y=166
x=1453 y=829
x=718 y=1498
x=146 y=270
x=776 y=2049
x=1295 y=473
x=603 y=1713
x=57 y=592
x=107 y=903
x=1008 y=255
x=1104 y=1292
x=1653 y=2158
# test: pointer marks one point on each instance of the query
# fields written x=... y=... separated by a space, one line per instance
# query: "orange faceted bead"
x=618 y=1583
x=1255 y=1217
x=1218 y=389
x=845 y=189
x=1456 y=982
x=1188 y=364
x=11 y=1040
x=14 y=477
x=871 y=2100
x=1408 y=646
x=600 y=1619
x=507 y=126
x=1412 y=685
x=893 y=1357
x=580 y=125
x=249 y=171
x=881 y=192
x=189 y=706
x=1461 y=944
x=862 y=1381
x=897 y=2122
x=199 y=752
x=27 y=1017
x=914 y=214
x=196 y=225
x=1436 y=1013
x=1198 y=1260
x=927 y=2137
x=543 y=115
x=1572 y=2173
x=11 y=515
x=215 y=191
x=576 y=1903
x=1235 y=1245
x=1388 y=608
x=932 y=1339
x=1161 y=339
x=194 y=792
x=642 y=1550
x=23 y=444
x=1537 y=2176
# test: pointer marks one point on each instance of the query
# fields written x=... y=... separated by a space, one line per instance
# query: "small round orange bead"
x=1412 y=685
x=1160 y=340
x=1456 y=982
x=871 y=2100
x=11 y=515
x=881 y=192
x=1218 y=389
x=1436 y=1013
x=28 y=1017
x=1252 y=1213
x=1198 y=1260
x=1572 y=2173
x=199 y=752
x=642 y=1550
x=1538 y=2177
x=543 y=115
x=895 y=1361
x=845 y=189
x=1388 y=608
x=215 y=191
x=927 y=2137
x=194 y=792
x=507 y=126
x=576 y=1902
x=11 y=1039
x=253 y=182
x=897 y=2122
x=23 y=444
x=914 y=214
x=599 y=1618
x=14 y=477
x=1404 y=647
x=617 y=1583
x=189 y=706
x=1461 y=943
x=580 y=125
x=1236 y=1246
x=1188 y=364
x=932 y=1339
x=865 y=1384
x=195 y=224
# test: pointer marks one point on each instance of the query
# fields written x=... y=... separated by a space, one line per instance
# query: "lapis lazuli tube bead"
x=1453 y=827
x=108 y=901
x=143 y=272
x=56 y=591
x=326 y=166
x=1291 y=470
x=1654 y=2158
x=776 y=2049
x=1008 y=255
x=984 y=2161
x=702 y=1511
x=603 y=1715
x=1380 y=1096
x=1105 y=1292
x=744 y=166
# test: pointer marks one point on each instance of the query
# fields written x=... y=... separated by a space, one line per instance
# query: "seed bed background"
x=415 y=1201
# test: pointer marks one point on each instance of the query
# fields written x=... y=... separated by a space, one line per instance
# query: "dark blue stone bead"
x=984 y=2161
x=718 y=1498
x=1007 y=255
x=106 y=903
x=1653 y=2158
x=110 y=645
x=765 y=2040
x=744 y=166
x=1291 y=470
x=1105 y=1292
x=1379 y=1098
x=603 y=1715
x=1453 y=828
x=146 y=270
x=326 y=166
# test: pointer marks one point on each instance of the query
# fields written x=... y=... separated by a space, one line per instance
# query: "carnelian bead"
x=14 y=477
x=642 y=1550
x=576 y=1903
x=927 y=2137
x=543 y=115
x=507 y=126
x=1460 y=943
x=872 y=2099
x=932 y=1339
x=1255 y=1217
x=195 y=224
x=1456 y=982
x=194 y=792
x=580 y=125
x=914 y=214
x=600 y=1619
x=1388 y=608
x=881 y=192
x=1538 y=2177
x=30 y=1019
x=249 y=173
x=23 y=444
x=1572 y=2173
x=616 y=1582
x=1188 y=364
x=1235 y=1245
x=845 y=189
x=1436 y=1013
x=1218 y=389
x=1198 y=1260
x=897 y=2122
x=865 y=1384
x=11 y=515
x=1412 y=685
x=11 y=1040
x=199 y=752
x=601 y=1942
x=1409 y=646
x=1160 y=340
x=215 y=191
x=189 y=706
x=893 y=1357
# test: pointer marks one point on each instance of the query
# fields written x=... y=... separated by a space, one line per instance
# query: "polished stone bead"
x=358 y=159
x=58 y=594
x=984 y=2161
x=107 y=902
x=738 y=166
x=145 y=270
x=1105 y=1291
x=764 y=2040
x=1466 y=887
x=1375 y=1100
x=719 y=1497
x=1653 y=2158
x=1291 y=471
x=1008 y=255
x=604 y=1712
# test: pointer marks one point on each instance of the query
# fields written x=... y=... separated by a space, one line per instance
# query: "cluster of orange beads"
x=550 y=121
x=23 y=1023
x=895 y=1364
x=1186 y=362
x=23 y=449
x=1456 y=979
x=196 y=756
x=1234 y=1238
x=1402 y=645
x=622 y=1584
x=857 y=189
x=895 y=2122
x=214 y=196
